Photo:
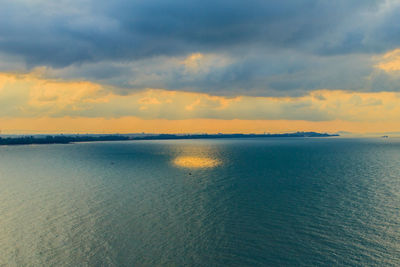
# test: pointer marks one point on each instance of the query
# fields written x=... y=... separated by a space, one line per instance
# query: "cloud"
x=259 y=48
x=66 y=32
x=390 y=62
x=288 y=73
x=31 y=96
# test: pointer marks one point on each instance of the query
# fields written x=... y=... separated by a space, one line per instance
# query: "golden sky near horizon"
x=32 y=103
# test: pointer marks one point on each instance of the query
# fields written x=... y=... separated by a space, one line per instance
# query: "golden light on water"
x=196 y=162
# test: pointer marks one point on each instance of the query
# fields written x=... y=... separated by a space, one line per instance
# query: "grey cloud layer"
x=275 y=47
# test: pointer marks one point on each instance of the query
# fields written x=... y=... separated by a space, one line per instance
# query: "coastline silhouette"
x=66 y=139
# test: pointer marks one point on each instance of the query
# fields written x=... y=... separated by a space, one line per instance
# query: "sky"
x=199 y=66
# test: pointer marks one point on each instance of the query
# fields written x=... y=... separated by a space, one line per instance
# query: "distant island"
x=66 y=139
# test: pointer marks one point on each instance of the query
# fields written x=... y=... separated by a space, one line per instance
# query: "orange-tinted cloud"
x=390 y=61
x=32 y=103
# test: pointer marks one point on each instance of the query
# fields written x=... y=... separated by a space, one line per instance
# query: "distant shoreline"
x=67 y=139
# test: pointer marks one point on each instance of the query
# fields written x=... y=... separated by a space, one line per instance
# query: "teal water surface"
x=266 y=202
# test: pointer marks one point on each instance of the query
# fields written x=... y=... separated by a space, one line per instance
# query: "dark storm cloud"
x=79 y=31
x=276 y=47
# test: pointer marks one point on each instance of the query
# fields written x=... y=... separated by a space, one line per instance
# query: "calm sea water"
x=260 y=202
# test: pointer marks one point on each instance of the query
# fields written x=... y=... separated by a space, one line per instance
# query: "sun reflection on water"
x=196 y=162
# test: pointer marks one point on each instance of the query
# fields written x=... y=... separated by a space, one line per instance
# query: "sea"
x=225 y=202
